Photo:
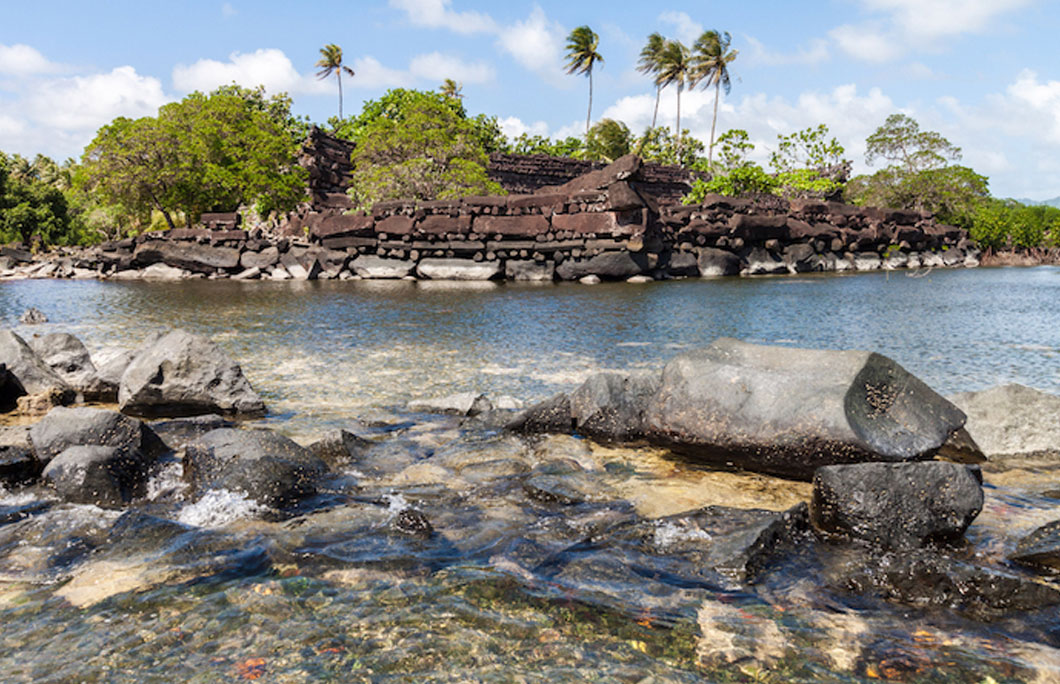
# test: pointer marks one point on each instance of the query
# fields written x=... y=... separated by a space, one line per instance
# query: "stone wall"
x=602 y=225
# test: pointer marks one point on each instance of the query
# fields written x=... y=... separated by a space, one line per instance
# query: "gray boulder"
x=179 y=431
x=68 y=357
x=897 y=505
x=551 y=415
x=789 y=411
x=611 y=406
x=339 y=447
x=1041 y=548
x=105 y=476
x=265 y=466
x=458 y=269
x=65 y=427
x=191 y=256
x=183 y=374
x=714 y=263
x=529 y=271
x=1012 y=420
x=372 y=267
x=32 y=373
x=18 y=465
x=608 y=266
x=111 y=363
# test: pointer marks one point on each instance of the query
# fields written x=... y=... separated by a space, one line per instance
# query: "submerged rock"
x=66 y=427
x=1012 y=419
x=182 y=375
x=266 y=466
x=339 y=447
x=461 y=404
x=789 y=411
x=105 y=476
x=18 y=465
x=551 y=415
x=897 y=505
x=1041 y=548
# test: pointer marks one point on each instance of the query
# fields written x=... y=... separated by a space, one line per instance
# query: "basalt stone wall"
x=327 y=159
x=604 y=224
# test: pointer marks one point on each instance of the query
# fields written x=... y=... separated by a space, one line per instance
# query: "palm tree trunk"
x=655 y=114
x=679 y=88
x=589 y=116
x=339 y=74
x=713 y=124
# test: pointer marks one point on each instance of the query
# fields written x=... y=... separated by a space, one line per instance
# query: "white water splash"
x=669 y=533
x=167 y=481
x=396 y=503
x=8 y=498
x=220 y=507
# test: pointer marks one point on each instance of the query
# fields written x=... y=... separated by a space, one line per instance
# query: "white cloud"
x=536 y=43
x=23 y=60
x=227 y=10
x=84 y=103
x=440 y=14
x=686 y=29
x=813 y=53
x=269 y=67
x=869 y=42
x=370 y=73
x=10 y=126
x=901 y=26
x=513 y=127
x=438 y=67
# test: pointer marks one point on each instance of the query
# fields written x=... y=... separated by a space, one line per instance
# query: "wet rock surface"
x=1012 y=420
x=897 y=505
x=105 y=476
x=611 y=406
x=66 y=427
x=1041 y=548
x=68 y=357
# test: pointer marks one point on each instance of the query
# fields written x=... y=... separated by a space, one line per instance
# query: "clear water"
x=334 y=595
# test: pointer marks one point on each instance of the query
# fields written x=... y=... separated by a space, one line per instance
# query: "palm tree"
x=675 y=68
x=451 y=88
x=649 y=65
x=712 y=59
x=331 y=62
x=581 y=58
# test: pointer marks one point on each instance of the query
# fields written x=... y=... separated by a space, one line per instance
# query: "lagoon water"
x=335 y=595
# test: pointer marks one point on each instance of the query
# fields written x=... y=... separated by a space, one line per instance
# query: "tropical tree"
x=582 y=56
x=607 y=141
x=650 y=64
x=675 y=68
x=330 y=62
x=451 y=88
x=711 y=59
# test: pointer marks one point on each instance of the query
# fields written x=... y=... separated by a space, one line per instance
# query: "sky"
x=984 y=73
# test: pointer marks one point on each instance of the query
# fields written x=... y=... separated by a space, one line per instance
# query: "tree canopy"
x=204 y=153
x=33 y=208
x=418 y=145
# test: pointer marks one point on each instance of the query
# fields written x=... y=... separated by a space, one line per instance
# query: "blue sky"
x=984 y=73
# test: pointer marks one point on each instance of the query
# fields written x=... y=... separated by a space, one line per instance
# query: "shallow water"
x=502 y=591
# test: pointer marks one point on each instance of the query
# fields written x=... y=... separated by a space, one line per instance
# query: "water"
x=495 y=594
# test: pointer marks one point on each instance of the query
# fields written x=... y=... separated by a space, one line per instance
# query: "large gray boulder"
x=264 y=465
x=611 y=406
x=32 y=373
x=65 y=427
x=550 y=415
x=1012 y=420
x=897 y=505
x=458 y=269
x=182 y=375
x=104 y=476
x=68 y=357
x=790 y=411
x=609 y=266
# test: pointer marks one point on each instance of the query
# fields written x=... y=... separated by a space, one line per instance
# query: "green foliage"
x=806 y=149
x=33 y=209
x=607 y=141
x=1003 y=224
x=539 y=144
x=733 y=147
x=206 y=152
x=397 y=104
x=900 y=141
x=427 y=149
x=807 y=183
x=747 y=179
x=661 y=146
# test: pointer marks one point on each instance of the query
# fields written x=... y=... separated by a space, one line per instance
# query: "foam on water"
x=668 y=533
x=220 y=507
x=168 y=480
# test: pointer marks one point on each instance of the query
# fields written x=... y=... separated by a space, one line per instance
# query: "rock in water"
x=897 y=505
x=1041 y=548
x=35 y=376
x=17 y=465
x=610 y=406
x=551 y=415
x=267 y=467
x=460 y=404
x=1012 y=420
x=789 y=411
x=184 y=375
x=68 y=357
x=105 y=476
x=33 y=316
x=66 y=427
